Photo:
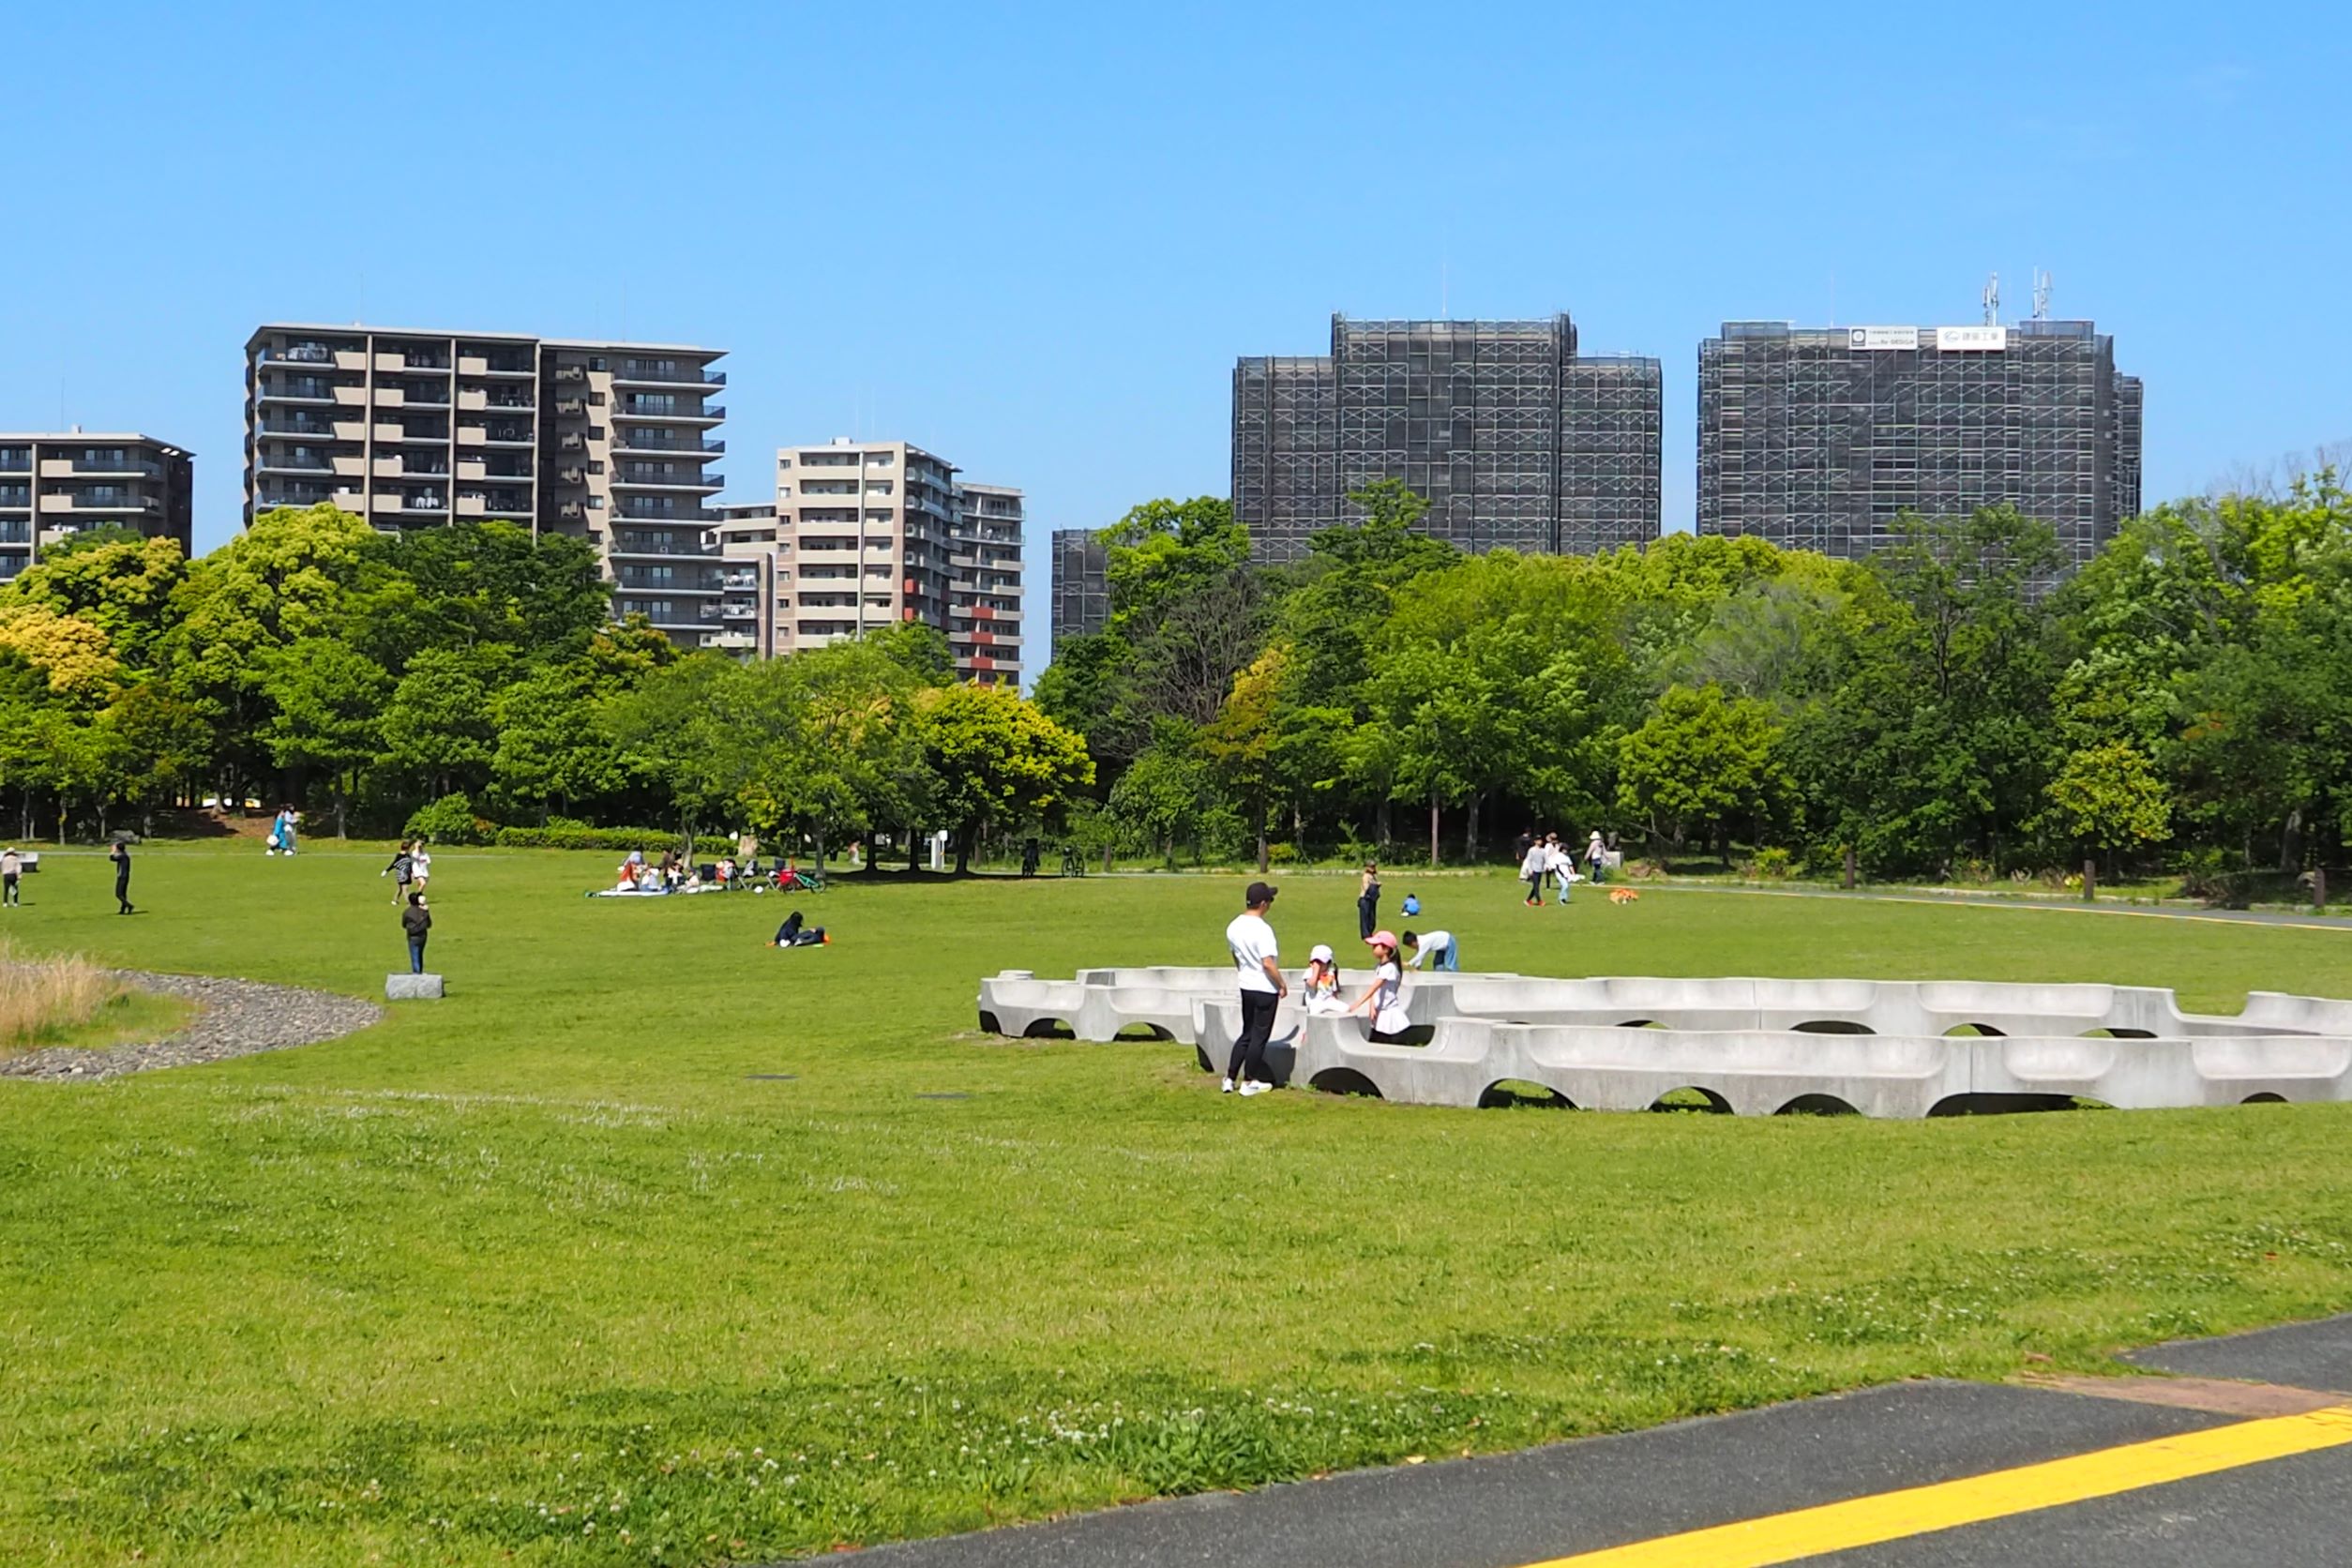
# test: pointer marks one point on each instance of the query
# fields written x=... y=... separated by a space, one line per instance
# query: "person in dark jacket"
x=794 y=934
x=417 y=920
x=120 y=855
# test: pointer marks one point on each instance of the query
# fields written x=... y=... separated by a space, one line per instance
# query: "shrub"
x=1772 y=865
x=582 y=837
x=44 y=997
x=450 y=820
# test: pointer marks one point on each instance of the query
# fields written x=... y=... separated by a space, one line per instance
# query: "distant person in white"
x=1564 y=864
x=1384 y=1000
x=1438 y=945
x=1259 y=967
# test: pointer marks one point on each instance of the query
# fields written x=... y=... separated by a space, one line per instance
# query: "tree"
x=1241 y=740
x=997 y=760
x=1700 y=759
x=2110 y=797
x=437 y=726
x=165 y=741
x=326 y=697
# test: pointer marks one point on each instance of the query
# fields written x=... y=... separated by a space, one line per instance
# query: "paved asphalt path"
x=1544 y=1504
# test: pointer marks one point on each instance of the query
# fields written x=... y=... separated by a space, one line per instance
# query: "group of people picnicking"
x=1257 y=962
x=736 y=872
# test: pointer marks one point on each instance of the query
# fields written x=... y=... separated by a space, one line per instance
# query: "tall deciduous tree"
x=997 y=760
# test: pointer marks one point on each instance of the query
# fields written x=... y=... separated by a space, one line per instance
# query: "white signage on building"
x=1971 y=340
x=1882 y=336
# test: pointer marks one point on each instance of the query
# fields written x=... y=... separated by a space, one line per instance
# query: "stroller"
x=792 y=879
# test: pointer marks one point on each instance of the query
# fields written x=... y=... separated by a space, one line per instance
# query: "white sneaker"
x=1254 y=1087
x=1228 y=1087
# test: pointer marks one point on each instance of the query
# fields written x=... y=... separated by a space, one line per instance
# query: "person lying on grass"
x=792 y=934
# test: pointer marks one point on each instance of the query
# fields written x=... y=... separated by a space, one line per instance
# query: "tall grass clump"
x=44 y=996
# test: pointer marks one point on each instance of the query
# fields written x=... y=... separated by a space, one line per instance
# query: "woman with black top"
x=120 y=855
x=417 y=921
x=1368 y=902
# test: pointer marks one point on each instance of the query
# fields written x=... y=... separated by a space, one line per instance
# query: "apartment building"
x=1082 y=584
x=52 y=487
x=610 y=443
x=865 y=534
x=984 y=597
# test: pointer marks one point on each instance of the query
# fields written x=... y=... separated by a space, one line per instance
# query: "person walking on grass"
x=120 y=855
x=11 y=872
x=1258 y=971
x=1368 y=900
x=1596 y=856
x=417 y=922
x=403 y=866
x=1533 y=861
x=1562 y=864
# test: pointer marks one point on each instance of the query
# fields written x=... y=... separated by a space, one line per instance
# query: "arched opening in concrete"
x=1816 y=1105
x=2118 y=1034
x=2084 y=1102
x=1344 y=1080
x=1048 y=1028
x=1999 y=1104
x=2264 y=1098
x=1201 y=1054
x=1142 y=1032
x=1835 y=1026
x=1974 y=1031
x=988 y=1024
x=1641 y=1023
x=1692 y=1096
x=1520 y=1094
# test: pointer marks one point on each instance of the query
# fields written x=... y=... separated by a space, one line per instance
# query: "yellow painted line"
x=1838 y=1527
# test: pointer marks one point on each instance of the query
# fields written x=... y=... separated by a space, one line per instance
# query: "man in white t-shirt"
x=1438 y=945
x=1259 y=969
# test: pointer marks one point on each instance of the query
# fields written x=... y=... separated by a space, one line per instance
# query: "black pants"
x=10 y=880
x=122 y=892
x=1367 y=915
x=1249 y=1046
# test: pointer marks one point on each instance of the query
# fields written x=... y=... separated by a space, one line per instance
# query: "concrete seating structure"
x=1888 y=1048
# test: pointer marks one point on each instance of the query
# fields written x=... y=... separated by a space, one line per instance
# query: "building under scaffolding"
x=1515 y=440
x=1081 y=591
x=1821 y=439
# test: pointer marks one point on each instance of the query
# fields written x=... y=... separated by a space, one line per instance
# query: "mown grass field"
x=566 y=1269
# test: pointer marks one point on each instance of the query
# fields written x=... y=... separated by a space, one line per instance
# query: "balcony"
x=506 y=435
x=300 y=354
x=430 y=397
x=571 y=408
x=740 y=582
x=667 y=444
x=298 y=392
x=625 y=480
x=710 y=415
x=295 y=465
x=16 y=497
x=660 y=549
x=633 y=583
x=734 y=612
x=511 y=404
x=732 y=641
x=112 y=500
x=638 y=372
x=269 y=501
x=625 y=510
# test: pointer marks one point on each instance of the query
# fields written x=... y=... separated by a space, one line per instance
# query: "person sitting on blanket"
x=792 y=934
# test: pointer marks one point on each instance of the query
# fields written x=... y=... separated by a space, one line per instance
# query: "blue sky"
x=1033 y=238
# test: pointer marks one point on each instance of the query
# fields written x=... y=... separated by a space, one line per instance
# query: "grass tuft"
x=46 y=998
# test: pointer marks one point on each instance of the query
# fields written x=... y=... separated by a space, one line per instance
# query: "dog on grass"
x=1622 y=896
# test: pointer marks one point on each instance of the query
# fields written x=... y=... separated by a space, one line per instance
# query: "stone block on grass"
x=411 y=988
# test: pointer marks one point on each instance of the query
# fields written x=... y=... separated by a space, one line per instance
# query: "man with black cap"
x=1260 y=968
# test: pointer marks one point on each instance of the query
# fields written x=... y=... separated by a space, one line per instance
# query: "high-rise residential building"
x=1821 y=438
x=53 y=485
x=1081 y=583
x=606 y=442
x=867 y=535
x=1514 y=438
x=984 y=597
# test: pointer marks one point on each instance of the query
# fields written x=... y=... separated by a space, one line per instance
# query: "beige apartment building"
x=610 y=443
x=865 y=534
x=53 y=485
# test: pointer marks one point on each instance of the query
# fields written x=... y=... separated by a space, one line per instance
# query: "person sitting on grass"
x=1384 y=1000
x=793 y=933
x=1438 y=945
x=1319 y=988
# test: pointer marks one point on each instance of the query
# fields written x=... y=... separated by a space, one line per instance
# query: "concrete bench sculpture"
x=1888 y=1048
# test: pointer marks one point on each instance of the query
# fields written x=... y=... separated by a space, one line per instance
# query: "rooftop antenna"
x=2041 y=296
x=1993 y=300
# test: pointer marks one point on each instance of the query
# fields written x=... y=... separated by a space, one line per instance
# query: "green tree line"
x=457 y=679
x=1954 y=706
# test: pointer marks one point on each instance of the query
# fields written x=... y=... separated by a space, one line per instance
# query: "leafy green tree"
x=1700 y=760
x=997 y=760
x=325 y=698
x=2111 y=798
x=437 y=726
x=165 y=743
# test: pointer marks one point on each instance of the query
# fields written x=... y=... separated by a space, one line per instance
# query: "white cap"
x=1322 y=951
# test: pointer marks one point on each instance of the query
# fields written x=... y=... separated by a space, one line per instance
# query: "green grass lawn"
x=566 y=1269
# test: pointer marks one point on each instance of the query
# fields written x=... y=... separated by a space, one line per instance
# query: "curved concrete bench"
x=1882 y=1047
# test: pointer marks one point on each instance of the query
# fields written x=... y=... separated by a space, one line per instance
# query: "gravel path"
x=235 y=1017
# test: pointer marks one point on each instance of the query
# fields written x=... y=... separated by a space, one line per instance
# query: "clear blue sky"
x=1033 y=238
